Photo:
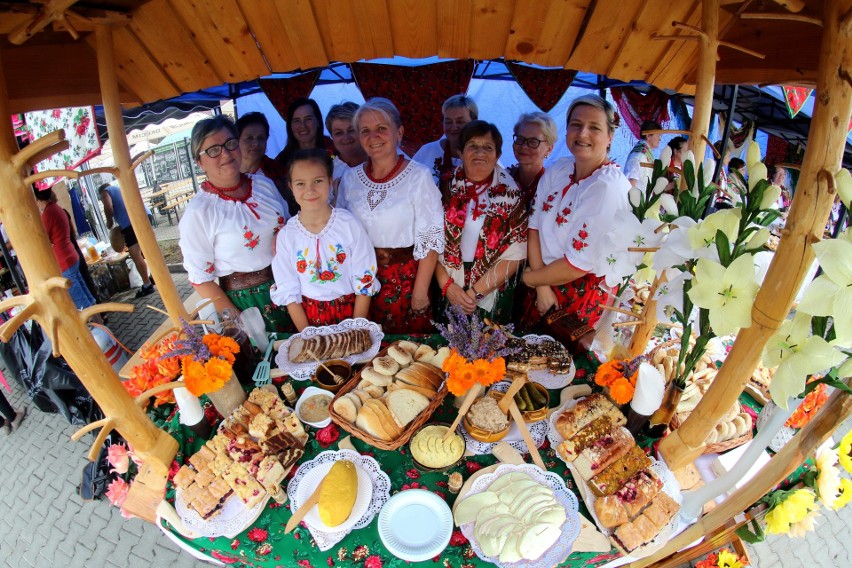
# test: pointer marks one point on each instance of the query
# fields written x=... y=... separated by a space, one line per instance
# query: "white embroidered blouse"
x=337 y=261
x=403 y=212
x=219 y=237
x=431 y=155
x=572 y=224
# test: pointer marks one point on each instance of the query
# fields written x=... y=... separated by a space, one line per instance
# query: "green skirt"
x=276 y=317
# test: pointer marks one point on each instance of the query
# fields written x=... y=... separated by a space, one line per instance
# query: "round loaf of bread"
x=440 y=357
x=399 y=355
x=424 y=353
x=386 y=365
x=346 y=409
x=408 y=346
x=373 y=376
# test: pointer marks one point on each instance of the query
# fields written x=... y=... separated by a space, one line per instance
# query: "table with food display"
x=365 y=449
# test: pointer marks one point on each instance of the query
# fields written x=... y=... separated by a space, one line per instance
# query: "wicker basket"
x=409 y=430
x=530 y=416
x=484 y=436
x=718 y=447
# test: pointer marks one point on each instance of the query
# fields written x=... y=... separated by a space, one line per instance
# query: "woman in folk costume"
x=229 y=227
x=325 y=264
x=534 y=136
x=485 y=227
x=400 y=207
x=579 y=200
x=642 y=153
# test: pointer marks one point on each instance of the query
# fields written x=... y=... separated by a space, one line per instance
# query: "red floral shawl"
x=505 y=221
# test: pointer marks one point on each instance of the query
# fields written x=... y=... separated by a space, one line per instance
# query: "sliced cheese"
x=468 y=509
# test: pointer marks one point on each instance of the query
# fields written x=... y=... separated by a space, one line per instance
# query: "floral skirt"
x=582 y=296
x=276 y=317
x=328 y=312
x=391 y=307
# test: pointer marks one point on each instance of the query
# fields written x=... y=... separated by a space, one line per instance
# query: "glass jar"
x=244 y=361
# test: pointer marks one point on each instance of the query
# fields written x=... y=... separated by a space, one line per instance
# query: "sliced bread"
x=401 y=385
x=344 y=407
x=369 y=422
x=373 y=376
x=405 y=405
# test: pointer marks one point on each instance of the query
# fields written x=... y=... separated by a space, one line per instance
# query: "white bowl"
x=308 y=393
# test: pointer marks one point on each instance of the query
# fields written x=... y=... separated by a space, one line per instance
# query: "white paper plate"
x=233 y=518
x=415 y=525
x=310 y=481
x=304 y=371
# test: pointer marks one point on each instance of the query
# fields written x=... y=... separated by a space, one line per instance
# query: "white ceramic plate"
x=308 y=393
x=310 y=481
x=546 y=378
x=304 y=371
x=233 y=518
x=415 y=525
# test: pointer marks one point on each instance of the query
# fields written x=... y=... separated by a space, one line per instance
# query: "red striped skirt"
x=328 y=312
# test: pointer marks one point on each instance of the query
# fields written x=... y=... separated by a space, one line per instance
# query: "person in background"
x=725 y=196
x=778 y=176
x=642 y=153
x=13 y=256
x=534 y=136
x=10 y=419
x=324 y=264
x=737 y=183
x=399 y=206
x=58 y=229
x=116 y=212
x=339 y=123
x=485 y=229
x=254 y=133
x=442 y=156
x=578 y=201
x=679 y=145
x=228 y=230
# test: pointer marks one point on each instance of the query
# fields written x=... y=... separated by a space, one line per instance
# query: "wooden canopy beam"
x=805 y=223
x=49 y=13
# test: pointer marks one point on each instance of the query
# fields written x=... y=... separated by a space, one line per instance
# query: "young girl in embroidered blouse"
x=325 y=264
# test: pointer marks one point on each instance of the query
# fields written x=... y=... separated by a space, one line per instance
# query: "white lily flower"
x=758 y=239
x=702 y=237
x=843 y=180
x=770 y=196
x=669 y=294
x=668 y=203
x=634 y=196
x=709 y=169
x=756 y=173
x=646 y=274
x=752 y=155
x=831 y=293
x=689 y=157
x=845 y=370
x=660 y=186
x=727 y=292
x=675 y=249
x=797 y=354
x=666 y=156
x=631 y=233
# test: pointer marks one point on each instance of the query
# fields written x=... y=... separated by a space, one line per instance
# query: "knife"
x=304 y=509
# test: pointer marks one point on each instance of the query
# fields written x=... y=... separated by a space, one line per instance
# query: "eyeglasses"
x=533 y=143
x=215 y=150
x=474 y=148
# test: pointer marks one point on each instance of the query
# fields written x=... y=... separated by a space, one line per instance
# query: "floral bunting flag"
x=80 y=132
x=282 y=92
x=795 y=98
x=636 y=107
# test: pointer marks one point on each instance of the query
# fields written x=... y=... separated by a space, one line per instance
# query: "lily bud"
x=756 y=173
x=666 y=156
x=667 y=202
x=758 y=239
x=770 y=196
x=634 y=196
x=843 y=180
x=752 y=155
x=709 y=168
x=689 y=157
x=660 y=186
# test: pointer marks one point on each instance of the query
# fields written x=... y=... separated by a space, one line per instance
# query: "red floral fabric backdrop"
x=281 y=92
x=776 y=150
x=418 y=93
x=544 y=87
x=636 y=107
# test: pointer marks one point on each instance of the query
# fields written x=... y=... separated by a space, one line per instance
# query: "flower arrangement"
x=619 y=376
x=722 y=559
x=206 y=361
x=809 y=407
x=157 y=368
x=477 y=351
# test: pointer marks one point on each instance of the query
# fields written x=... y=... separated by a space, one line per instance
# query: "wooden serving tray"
x=409 y=430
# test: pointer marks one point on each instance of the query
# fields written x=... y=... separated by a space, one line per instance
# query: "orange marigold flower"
x=621 y=391
x=169 y=367
x=609 y=372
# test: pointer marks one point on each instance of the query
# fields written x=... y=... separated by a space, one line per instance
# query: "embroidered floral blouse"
x=633 y=168
x=572 y=218
x=404 y=212
x=338 y=261
x=431 y=155
x=219 y=237
x=484 y=229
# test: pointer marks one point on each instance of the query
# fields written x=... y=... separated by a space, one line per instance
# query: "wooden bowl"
x=323 y=380
x=484 y=435
x=530 y=415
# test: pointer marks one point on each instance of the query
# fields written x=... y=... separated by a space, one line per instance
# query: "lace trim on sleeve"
x=431 y=239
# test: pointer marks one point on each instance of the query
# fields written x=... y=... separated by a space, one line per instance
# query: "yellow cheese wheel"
x=338 y=493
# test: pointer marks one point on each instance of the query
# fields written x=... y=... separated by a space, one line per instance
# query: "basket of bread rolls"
x=391 y=397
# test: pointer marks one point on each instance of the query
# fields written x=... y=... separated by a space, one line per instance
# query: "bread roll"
x=400 y=355
x=386 y=365
x=346 y=409
x=354 y=398
x=373 y=376
x=363 y=395
x=408 y=346
x=424 y=353
x=440 y=357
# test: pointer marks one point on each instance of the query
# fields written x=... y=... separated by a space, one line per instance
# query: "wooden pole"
x=804 y=444
x=127 y=178
x=49 y=303
x=706 y=80
x=805 y=223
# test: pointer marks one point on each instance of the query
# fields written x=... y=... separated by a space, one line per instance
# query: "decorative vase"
x=663 y=416
x=191 y=413
x=229 y=397
x=693 y=501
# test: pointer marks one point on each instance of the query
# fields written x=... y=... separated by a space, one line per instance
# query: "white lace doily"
x=304 y=371
x=570 y=529
x=544 y=377
x=538 y=431
x=670 y=487
x=233 y=519
x=381 y=492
